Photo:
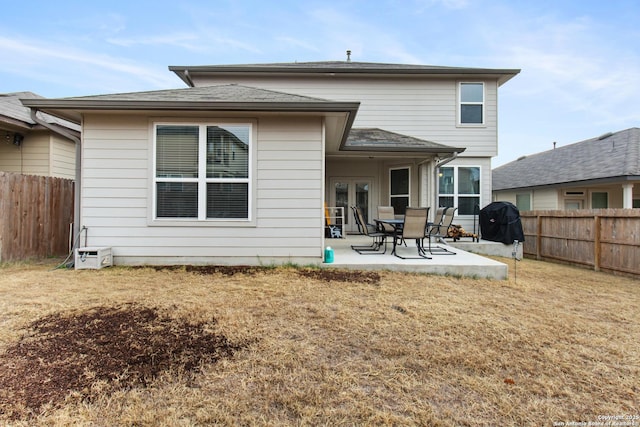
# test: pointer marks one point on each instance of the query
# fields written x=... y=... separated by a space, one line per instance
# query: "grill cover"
x=500 y=222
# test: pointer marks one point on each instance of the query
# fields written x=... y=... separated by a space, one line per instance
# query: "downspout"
x=436 y=177
x=76 y=195
x=187 y=76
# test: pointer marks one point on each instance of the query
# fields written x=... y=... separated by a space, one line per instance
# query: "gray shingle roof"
x=12 y=108
x=220 y=93
x=374 y=139
x=230 y=97
x=615 y=155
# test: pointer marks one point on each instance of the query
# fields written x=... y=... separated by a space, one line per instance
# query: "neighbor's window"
x=471 y=108
x=202 y=171
x=599 y=200
x=459 y=186
x=399 y=190
x=523 y=201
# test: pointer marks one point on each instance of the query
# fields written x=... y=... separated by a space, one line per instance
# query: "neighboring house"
x=238 y=167
x=602 y=172
x=41 y=146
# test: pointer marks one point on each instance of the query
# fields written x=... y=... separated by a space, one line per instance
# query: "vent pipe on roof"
x=348 y=56
x=554 y=145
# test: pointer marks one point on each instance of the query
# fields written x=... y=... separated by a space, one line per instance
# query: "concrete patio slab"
x=463 y=263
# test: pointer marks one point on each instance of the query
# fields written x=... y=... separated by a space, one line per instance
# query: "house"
x=596 y=173
x=40 y=145
x=238 y=166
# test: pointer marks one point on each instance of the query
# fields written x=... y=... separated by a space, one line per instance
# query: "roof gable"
x=608 y=156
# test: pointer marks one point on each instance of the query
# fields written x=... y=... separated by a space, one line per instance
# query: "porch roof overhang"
x=375 y=142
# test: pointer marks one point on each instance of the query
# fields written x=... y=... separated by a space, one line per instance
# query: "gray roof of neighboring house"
x=374 y=139
x=230 y=97
x=613 y=156
x=343 y=67
x=12 y=111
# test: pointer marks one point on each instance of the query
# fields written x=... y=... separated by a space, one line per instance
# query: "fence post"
x=597 y=248
x=538 y=237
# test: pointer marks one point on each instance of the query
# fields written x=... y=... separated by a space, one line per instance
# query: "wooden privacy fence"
x=35 y=213
x=603 y=239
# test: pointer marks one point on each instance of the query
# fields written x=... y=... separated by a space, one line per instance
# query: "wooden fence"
x=35 y=214
x=602 y=239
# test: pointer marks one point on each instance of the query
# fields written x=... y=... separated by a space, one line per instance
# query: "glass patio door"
x=347 y=192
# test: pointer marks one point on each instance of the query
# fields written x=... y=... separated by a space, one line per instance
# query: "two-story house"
x=237 y=168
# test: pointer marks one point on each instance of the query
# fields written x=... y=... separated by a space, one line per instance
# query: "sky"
x=579 y=59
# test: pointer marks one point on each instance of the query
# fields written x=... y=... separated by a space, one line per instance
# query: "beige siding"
x=287 y=190
x=541 y=199
x=10 y=156
x=417 y=107
x=63 y=157
x=31 y=158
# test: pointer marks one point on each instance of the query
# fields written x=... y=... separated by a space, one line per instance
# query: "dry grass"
x=561 y=344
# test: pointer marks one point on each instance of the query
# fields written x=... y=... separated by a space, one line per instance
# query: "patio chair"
x=440 y=230
x=379 y=237
x=386 y=212
x=415 y=223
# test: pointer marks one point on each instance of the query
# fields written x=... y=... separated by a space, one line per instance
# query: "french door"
x=347 y=192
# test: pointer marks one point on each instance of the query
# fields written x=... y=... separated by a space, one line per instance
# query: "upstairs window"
x=471 y=106
x=201 y=172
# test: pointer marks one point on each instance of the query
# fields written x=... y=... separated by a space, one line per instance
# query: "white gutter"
x=72 y=137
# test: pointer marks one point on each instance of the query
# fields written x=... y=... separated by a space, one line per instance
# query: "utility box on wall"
x=93 y=258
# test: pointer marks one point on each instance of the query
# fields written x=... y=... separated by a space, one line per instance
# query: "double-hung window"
x=471 y=103
x=459 y=186
x=202 y=171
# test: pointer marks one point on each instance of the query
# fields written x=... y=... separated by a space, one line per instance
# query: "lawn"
x=287 y=346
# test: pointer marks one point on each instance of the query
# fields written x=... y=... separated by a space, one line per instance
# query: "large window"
x=459 y=186
x=471 y=108
x=202 y=171
x=399 y=190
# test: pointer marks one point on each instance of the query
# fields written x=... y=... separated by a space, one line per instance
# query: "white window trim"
x=457 y=195
x=202 y=180
x=408 y=196
x=483 y=103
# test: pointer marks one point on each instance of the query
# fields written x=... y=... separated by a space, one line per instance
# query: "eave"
x=186 y=73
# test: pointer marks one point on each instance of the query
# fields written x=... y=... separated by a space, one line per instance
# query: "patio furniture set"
x=413 y=225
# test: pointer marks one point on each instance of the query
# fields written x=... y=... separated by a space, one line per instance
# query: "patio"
x=464 y=263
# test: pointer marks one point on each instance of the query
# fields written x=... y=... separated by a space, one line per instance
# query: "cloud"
x=342 y=30
x=571 y=65
x=296 y=42
x=78 y=68
x=187 y=41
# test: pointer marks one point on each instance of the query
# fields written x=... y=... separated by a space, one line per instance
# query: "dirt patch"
x=102 y=348
x=331 y=275
x=323 y=274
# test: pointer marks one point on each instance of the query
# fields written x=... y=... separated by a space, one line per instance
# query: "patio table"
x=397 y=225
